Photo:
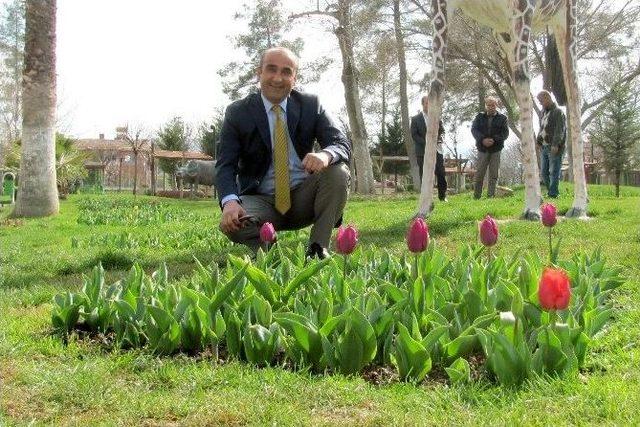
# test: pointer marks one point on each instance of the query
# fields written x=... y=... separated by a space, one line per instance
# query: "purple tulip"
x=549 y=218
x=418 y=236
x=267 y=233
x=488 y=231
x=346 y=240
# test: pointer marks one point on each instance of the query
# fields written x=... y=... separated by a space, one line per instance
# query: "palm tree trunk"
x=37 y=191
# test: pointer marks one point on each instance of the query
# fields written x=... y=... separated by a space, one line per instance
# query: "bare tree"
x=136 y=138
x=341 y=16
x=37 y=191
x=404 y=99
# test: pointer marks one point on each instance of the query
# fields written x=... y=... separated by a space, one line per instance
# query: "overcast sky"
x=145 y=61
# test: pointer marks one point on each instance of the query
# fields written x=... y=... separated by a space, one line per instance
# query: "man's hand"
x=316 y=162
x=554 y=149
x=231 y=212
x=487 y=142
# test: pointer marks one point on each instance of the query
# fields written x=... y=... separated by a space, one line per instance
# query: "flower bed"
x=528 y=317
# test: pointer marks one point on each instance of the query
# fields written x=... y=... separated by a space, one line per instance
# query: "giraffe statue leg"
x=436 y=97
x=565 y=34
x=521 y=33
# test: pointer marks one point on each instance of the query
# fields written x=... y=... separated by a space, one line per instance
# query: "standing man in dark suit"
x=267 y=170
x=489 y=129
x=419 y=134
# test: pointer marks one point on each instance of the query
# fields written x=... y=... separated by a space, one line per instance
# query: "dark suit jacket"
x=245 y=140
x=499 y=131
x=419 y=133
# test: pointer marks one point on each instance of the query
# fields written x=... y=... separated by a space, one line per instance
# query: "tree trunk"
x=153 y=169
x=482 y=89
x=404 y=99
x=569 y=148
x=135 y=172
x=383 y=123
x=120 y=175
x=361 y=155
x=37 y=192
x=617 y=182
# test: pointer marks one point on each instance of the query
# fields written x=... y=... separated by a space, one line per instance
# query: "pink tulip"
x=267 y=233
x=418 y=236
x=488 y=231
x=346 y=240
x=549 y=218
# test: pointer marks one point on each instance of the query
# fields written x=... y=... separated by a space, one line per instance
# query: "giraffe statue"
x=512 y=22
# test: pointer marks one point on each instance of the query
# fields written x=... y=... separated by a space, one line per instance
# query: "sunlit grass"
x=81 y=383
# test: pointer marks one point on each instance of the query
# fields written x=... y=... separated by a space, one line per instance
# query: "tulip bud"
x=488 y=231
x=554 y=291
x=549 y=218
x=267 y=233
x=346 y=240
x=418 y=236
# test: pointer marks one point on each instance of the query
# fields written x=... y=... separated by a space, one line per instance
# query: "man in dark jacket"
x=489 y=129
x=419 y=134
x=267 y=170
x=551 y=141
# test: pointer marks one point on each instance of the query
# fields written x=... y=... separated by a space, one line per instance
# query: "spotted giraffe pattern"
x=440 y=27
x=522 y=14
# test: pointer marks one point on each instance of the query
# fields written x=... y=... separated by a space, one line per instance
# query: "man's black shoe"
x=315 y=250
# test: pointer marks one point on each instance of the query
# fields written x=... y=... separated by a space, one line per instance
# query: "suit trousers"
x=319 y=201
x=439 y=172
x=486 y=161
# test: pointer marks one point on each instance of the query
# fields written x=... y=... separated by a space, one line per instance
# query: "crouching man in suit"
x=267 y=170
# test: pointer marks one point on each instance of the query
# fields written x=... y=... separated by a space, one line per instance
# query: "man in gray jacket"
x=551 y=140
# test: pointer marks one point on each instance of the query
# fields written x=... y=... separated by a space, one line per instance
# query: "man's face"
x=425 y=105
x=490 y=106
x=277 y=76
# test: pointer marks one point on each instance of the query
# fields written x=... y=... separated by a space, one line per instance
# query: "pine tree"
x=617 y=130
x=173 y=136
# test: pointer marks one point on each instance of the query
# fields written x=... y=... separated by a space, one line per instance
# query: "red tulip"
x=418 y=236
x=488 y=231
x=554 y=291
x=549 y=218
x=346 y=240
x=267 y=233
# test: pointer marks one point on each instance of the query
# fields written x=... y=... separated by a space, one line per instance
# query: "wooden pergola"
x=118 y=149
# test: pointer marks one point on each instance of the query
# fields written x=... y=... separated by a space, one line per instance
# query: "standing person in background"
x=551 y=140
x=419 y=135
x=490 y=129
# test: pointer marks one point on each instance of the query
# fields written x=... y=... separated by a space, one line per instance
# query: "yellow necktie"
x=281 y=163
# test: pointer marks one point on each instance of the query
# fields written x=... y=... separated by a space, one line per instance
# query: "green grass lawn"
x=83 y=382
